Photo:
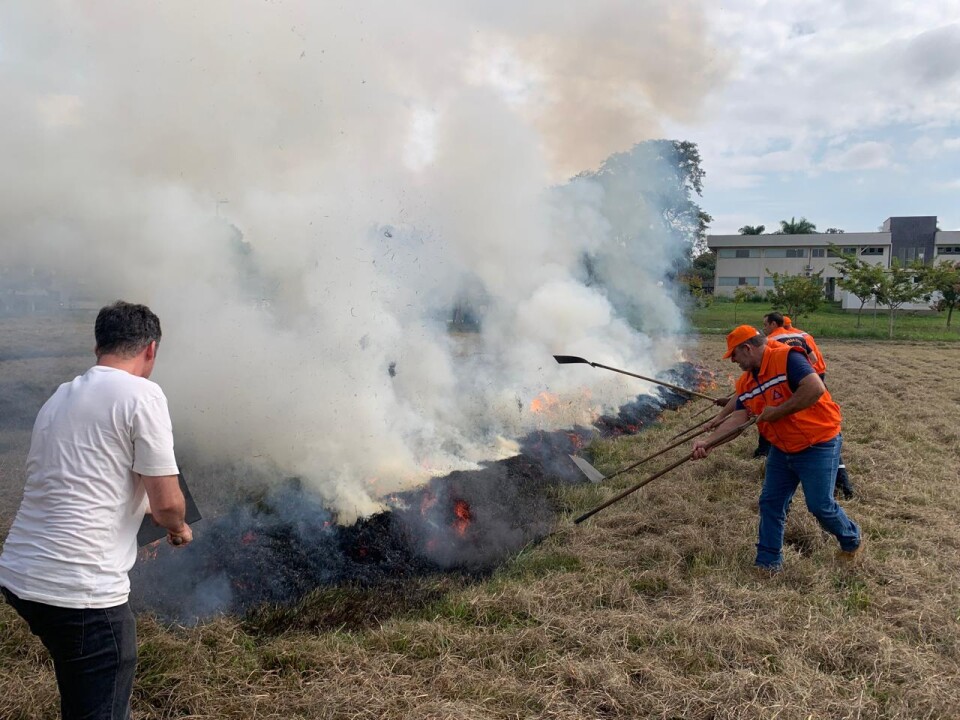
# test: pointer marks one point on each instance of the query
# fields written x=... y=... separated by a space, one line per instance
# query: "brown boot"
x=851 y=557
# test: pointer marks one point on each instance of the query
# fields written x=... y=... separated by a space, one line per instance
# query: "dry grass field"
x=648 y=610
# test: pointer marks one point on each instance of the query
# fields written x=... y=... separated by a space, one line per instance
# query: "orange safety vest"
x=796 y=432
x=798 y=338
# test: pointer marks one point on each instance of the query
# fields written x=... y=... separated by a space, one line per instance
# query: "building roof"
x=812 y=239
x=948 y=237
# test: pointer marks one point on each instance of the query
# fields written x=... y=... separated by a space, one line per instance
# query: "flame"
x=544 y=401
x=462 y=510
x=575 y=440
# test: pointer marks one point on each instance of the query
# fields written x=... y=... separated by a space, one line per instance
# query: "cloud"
x=862 y=156
x=931 y=57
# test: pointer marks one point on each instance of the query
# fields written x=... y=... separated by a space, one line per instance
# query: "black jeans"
x=94 y=655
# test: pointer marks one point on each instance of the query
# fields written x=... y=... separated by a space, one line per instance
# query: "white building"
x=752 y=259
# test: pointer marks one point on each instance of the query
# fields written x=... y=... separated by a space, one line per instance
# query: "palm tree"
x=752 y=229
x=797 y=227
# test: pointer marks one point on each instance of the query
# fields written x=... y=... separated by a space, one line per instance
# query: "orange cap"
x=738 y=336
x=787 y=322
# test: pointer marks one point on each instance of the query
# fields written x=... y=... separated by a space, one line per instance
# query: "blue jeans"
x=94 y=655
x=816 y=470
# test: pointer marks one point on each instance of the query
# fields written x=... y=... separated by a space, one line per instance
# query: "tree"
x=742 y=294
x=660 y=174
x=704 y=265
x=899 y=286
x=859 y=278
x=752 y=229
x=796 y=227
x=834 y=231
x=944 y=278
x=646 y=198
x=796 y=295
x=701 y=297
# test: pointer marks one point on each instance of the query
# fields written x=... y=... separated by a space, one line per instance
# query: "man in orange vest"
x=796 y=414
x=778 y=327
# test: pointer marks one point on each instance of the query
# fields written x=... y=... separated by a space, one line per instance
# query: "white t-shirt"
x=75 y=535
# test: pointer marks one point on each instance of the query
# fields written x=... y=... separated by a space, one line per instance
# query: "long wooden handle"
x=719 y=441
x=657 y=382
x=658 y=453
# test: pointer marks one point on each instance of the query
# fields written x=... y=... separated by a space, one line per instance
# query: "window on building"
x=871 y=251
x=735 y=281
x=948 y=250
x=768 y=282
x=818 y=252
x=738 y=252
x=785 y=252
x=837 y=252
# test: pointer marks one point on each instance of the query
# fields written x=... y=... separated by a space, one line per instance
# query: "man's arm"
x=734 y=419
x=168 y=506
x=807 y=393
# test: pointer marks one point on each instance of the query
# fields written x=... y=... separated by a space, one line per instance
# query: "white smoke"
x=304 y=192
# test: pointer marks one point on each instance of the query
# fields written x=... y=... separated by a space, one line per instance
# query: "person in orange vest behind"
x=775 y=328
x=796 y=414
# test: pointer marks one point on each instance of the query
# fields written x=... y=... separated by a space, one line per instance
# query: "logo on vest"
x=777 y=395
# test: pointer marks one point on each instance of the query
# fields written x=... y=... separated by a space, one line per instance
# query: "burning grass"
x=647 y=610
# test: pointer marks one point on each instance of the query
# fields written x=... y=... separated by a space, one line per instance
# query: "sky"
x=845 y=112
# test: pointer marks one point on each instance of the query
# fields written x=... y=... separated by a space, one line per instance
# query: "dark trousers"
x=94 y=655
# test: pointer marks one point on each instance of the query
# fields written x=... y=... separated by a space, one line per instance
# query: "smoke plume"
x=349 y=216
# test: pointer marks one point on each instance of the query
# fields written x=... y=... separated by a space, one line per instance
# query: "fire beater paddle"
x=595 y=475
x=722 y=439
x=569 y=359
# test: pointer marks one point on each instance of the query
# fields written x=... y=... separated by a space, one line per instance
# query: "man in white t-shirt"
x=101 y=456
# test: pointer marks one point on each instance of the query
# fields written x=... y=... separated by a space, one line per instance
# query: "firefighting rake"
x=729 y=435
x=570 y=359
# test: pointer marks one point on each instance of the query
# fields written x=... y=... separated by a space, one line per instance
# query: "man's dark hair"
x=756 y=341
x=125 y=329
x=775 y=318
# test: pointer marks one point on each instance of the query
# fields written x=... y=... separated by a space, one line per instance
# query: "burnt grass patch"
x=280 y=559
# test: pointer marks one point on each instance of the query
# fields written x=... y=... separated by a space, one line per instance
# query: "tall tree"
x=647 y=196
x=796 y=295
x=664 y=175
x=752 y=229
x=796 y=227
x=899 y=286
x=861 y=279
x=944 y=278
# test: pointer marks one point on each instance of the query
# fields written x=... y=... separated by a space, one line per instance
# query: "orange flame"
x=462 y=510
x=544 y=401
